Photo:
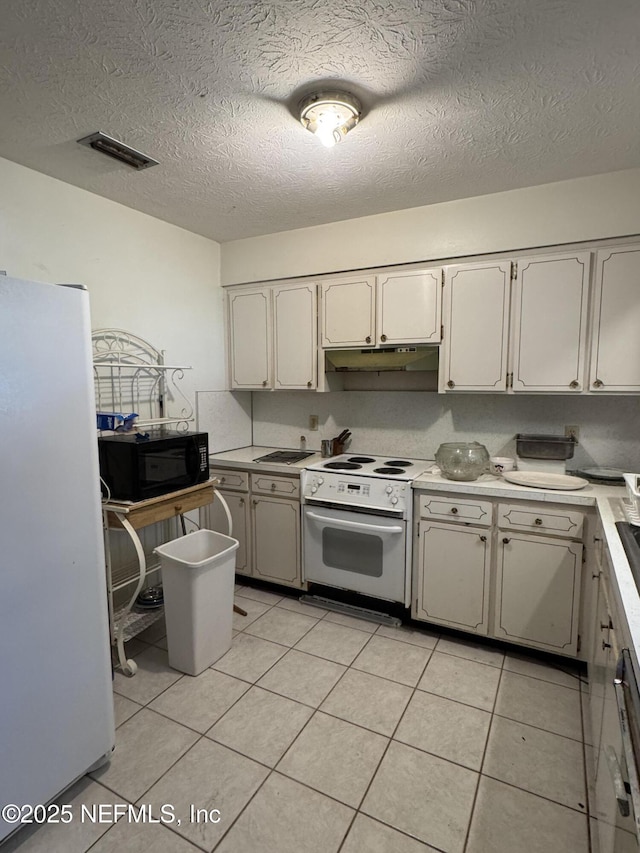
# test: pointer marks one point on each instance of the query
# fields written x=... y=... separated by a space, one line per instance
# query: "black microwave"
x=135 y=467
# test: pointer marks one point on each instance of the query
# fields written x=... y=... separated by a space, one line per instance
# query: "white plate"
x=542 y=480
x=604 y=473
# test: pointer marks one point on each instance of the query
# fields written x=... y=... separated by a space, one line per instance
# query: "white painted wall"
x=143 y=275
x=568 y=211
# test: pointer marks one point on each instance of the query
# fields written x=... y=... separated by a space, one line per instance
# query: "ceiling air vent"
x=118 y=150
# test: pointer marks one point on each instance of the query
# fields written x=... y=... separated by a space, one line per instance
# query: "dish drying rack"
x=130 y=376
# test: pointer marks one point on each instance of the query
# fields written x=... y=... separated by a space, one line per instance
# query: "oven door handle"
x=354 y=525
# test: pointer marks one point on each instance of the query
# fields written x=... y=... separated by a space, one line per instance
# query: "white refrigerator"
x=56 y=706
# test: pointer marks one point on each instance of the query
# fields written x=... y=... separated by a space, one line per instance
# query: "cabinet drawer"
x=231 y=479
x=557 y=521
x=465 y=511
x=269 y=485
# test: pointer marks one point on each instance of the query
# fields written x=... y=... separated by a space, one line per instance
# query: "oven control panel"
x=354 y=489
x=359 y=491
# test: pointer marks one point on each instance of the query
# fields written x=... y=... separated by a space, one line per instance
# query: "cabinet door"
x=408 y=307
x=538 y=592
x=550 y=296
x=216 y=519
x=476 y=325
x=295 y=336
x=453 y=576
x=615 y=350
x=276 y=540
x=250 y=338
x=348 y=312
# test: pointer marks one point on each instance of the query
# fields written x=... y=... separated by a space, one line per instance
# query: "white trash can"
x=198 y=572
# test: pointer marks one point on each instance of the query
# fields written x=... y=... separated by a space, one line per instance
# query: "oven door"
x=355 y=551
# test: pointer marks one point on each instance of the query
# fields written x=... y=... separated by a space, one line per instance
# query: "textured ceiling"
x=462 y=98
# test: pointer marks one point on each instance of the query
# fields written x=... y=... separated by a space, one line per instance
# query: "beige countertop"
x=244 y=457
x=494 y=486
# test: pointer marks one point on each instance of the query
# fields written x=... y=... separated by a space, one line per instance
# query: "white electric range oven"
x=357 y=512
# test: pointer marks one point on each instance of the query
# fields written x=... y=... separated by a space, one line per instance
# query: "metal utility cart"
x=132 y=517
x=130 y=376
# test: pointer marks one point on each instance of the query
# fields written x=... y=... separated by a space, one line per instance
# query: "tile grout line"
x=484 y=755
x=585 y=773
x=385 y=751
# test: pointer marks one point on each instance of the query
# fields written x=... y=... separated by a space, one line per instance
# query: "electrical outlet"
x=313 y=422
x=572 y=431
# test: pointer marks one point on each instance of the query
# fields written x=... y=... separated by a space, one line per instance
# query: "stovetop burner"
x=342 y=466
x=374 y=467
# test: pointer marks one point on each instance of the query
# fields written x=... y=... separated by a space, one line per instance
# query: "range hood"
x=408 y=358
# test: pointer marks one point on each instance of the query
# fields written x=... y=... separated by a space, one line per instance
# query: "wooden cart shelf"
x=143 y=513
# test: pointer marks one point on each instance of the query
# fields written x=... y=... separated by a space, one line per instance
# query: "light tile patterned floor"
x=319 y=733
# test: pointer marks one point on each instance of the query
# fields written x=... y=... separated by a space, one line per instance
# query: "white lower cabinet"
x=520 y=582
x=265 y=511
x=454 y=584
x=275 y=526
x=239 y=511
x=538 y=591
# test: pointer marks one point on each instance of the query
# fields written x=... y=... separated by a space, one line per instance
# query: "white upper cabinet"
x=518 y=326
x=615 y=345
x=273 y=337
x=348 y=312
x=382 y=310
x=250 y=363
x=550 y=297
x=476 y=321
x=408 y=307
x=295 y=337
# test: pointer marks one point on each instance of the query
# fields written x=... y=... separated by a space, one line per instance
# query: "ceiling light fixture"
x=99 y=141
x=330 y=115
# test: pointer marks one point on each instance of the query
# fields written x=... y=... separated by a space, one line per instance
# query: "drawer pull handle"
x=454 y=510
x=383 y=338
x=451 y=384
x=222 y=479
x=273 y=487
x=368 y=339
x=264 y=383
x=598 y=383
x=241 y=501
x=605 y=645
x=178 y=508
x=506 y=541
x=574 y=384
x=483 y=538
x=538 y=522
x=309 y=384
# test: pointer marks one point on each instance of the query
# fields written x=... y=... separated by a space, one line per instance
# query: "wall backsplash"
x=415 y=423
